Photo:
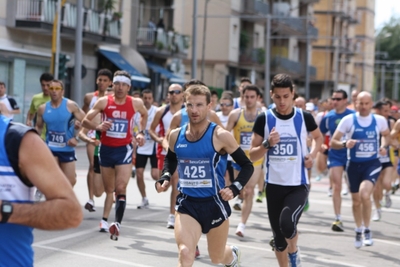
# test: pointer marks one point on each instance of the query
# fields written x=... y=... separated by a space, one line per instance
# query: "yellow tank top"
x=242 y=133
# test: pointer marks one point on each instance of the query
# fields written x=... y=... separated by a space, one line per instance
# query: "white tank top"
x=149 y=145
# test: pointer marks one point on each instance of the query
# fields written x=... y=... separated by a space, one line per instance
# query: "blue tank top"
x=201 y=169
x=184 y=117
x=60 y=126
x=366 y=148
x=16 y=240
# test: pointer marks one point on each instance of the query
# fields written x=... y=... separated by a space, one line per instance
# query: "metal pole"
x=308 y=46
x=395 y=93
x=336 y=55
x=382 y=92
x=56 y=59
x=204 y=41
x=194 y=41
x=77 y=95
x=267 y=82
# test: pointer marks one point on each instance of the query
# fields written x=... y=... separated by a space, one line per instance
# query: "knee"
x=280 y=243
x=249 y=191
x=186 y=257
x=287 y=225
x=120 y=189
x=365 y=196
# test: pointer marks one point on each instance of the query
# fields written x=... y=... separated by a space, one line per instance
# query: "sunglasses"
x=55 y=88
x=177 y=92
x=337 y=99
x=225 y=105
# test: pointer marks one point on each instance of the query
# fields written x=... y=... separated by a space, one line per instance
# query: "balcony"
x=255 y=7
x=345 y=77
x=161 y=43
x=309 y=1
x=285 y=65
x=252 y=57
x=38 y=16
x=284 y=23
x=341 y=8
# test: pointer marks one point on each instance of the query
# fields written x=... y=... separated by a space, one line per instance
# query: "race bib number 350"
x=195 y=173
x=119 y=129
x=285 y=150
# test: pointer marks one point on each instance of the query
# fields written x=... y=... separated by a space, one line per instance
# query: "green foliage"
x=261 y=56
x=243 y=40
x=160 y=45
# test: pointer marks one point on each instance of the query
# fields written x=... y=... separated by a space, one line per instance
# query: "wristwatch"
x=266 y=144
x=344 y=143
x=141 y=132
x=6 y=211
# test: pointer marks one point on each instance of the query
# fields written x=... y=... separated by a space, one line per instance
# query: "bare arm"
x=394 y=133
x=232 y=119
x=257 y=150
x=86 y=102
x=175 y=123
x=214 y=118
x=154 y=124
x=83 y=136
x=78 y=113
x=336 y=142
x=61 y=209
x=139 y=107
x=316 y=142
x=88 y=122
x=3 y=109
x=39 y=119
x=30 y=115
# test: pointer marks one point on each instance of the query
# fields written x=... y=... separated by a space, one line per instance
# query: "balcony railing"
x=252 y=56
x=287 y=65
x=163 y=41
x=45 y=10
x=255 y=7
x=286 y=22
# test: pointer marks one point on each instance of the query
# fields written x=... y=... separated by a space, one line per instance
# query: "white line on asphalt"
x=93 y=256
x=65 y=237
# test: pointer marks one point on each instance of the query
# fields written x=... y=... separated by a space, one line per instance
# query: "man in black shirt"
x=281 y=135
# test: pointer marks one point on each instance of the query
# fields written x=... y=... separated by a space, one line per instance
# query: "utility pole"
x=308 y=48
x=77 y=90
x=55 y=46
x=395 y=93
x=267 y=82
x=336 y=54
x=194 y=41
x=204 y=41
x=382 y=92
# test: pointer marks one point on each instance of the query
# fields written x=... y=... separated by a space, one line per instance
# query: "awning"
x=138 y=80
x=166 y=73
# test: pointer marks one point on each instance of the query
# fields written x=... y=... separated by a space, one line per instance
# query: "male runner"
x=362 y=131
x=59 y=114
x=199 y=150
x=337 y=158
x=281 y=135
x=103 y=81
x=116 y=142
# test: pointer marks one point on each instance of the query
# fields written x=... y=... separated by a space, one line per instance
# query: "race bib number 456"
x=195 y=173
x=366 y=148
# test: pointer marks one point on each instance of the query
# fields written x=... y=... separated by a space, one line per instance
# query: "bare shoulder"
x=221 y=133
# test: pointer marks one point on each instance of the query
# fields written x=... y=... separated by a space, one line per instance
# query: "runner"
x=147 y=151
x=163 y=119
x=115 y=152
x=103 y=81
x=281 y=135
x=241 y=122
x=59 y=114
x=199 y=150
x=362 y=131
x=337 y=159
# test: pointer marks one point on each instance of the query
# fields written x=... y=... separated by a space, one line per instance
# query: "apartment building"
x=112 y=38
x=235 y=39
x=335 y=50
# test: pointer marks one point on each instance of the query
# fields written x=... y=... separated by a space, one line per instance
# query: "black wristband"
x=165 y=177
x=234 y=190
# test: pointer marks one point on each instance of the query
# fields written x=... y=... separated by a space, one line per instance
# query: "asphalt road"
x=146 y=242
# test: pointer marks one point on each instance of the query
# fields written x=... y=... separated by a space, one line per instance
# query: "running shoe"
x=337 y=226
x=395 y=187
x=377 y=215
x=388 y=201
x=240 y=229
x=197 y=254
x=294 y=259
x=358 y=242
x=259 y=197
x=306 y=206
x=90 y=206
x=368 y=241
x=103 y=226
x=344 y=191
x=171 y=221
x=236 y=257
x=144 y=204
x=272 y=243
x=238 y=204
x=330 y=192
x=114 y=231
x=133 y=174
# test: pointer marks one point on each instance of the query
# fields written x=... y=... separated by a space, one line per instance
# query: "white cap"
x=310 y=106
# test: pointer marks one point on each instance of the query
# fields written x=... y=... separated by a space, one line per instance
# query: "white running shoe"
x=388 y=200
x=294 y=259
x=240 y=229
x=90 y=206
x=114 y=231
x=144 y=204
x=368 y=241
x=103 y=226
x=344 y=191
x=236 y=257
x=171 y=221
x=377 y=215
x=329 y=192
x=358 y=242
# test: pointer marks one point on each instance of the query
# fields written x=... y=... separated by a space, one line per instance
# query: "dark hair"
x=379 y=105
x=388 y=101
x=227 y=93
x=3 y=83
x=105 y=72
x=282 y=80
x=193 y=82
x=122 y=73
x=197 y=89
x=214 y=92
x=146 y=91
x=60 y=82
x=136 y=92
x=252 y=87
x=46 y=77
x=341 y=91
x=245 y=79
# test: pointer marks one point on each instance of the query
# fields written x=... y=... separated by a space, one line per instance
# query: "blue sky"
x=384 y=11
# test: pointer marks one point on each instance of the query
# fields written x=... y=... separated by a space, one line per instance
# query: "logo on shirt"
x=216 y=221
x=112 y=107
x=371 y=134
x=119 y=115
x=181 y=145
x=359 y=130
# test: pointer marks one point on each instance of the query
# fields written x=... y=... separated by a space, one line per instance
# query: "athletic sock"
x=120 y=207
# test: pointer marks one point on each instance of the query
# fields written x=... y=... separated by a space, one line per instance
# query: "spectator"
x=9 y=102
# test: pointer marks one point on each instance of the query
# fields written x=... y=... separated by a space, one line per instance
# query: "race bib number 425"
x=195 y=173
